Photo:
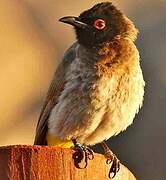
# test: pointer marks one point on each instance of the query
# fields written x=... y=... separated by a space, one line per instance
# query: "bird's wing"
x=54 y=91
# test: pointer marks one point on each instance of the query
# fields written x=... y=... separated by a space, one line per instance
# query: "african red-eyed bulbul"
x=98 y=87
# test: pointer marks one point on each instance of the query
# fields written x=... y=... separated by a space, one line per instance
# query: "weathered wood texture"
x=21 y=162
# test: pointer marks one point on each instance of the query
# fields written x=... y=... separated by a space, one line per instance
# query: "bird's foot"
x=112 y=160
x=82 y=154
x=115 y=164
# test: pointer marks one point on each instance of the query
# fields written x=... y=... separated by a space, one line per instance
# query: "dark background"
x=32 y=42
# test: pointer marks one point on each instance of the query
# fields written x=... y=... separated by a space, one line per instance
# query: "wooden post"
x=21 y=162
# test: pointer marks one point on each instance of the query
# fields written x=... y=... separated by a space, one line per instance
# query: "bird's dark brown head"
x=102 y=23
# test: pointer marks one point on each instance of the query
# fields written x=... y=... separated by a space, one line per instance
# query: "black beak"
x=74 y=21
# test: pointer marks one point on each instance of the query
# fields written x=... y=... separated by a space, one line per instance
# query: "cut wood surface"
x=22 y=162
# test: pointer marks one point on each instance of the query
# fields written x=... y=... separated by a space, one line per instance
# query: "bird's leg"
x=82 y=153
x=111 y=159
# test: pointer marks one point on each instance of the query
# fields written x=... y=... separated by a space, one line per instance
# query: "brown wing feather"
x=54 y=91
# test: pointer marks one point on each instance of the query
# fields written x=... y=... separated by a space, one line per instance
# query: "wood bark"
x=21 y=162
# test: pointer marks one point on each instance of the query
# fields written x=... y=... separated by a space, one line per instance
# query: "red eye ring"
x=99 y=24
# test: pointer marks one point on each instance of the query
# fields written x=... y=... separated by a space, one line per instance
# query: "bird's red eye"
x=99 y=24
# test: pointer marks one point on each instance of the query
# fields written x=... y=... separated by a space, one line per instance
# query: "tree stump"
x=21 y=162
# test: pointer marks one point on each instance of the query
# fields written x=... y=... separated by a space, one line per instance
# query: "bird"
x=98 y=87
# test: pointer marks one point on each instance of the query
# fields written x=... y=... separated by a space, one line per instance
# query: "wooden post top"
x=24 y=162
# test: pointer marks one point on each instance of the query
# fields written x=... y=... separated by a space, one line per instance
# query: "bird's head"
x=102 y=23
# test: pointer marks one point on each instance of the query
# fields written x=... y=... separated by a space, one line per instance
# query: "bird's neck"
x=120 y=53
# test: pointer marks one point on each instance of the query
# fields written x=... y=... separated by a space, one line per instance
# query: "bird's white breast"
x=92 y=108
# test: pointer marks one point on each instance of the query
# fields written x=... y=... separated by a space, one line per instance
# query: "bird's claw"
x=115 y=164
x=82 y=153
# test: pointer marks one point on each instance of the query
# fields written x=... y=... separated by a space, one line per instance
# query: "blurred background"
x=32 y=42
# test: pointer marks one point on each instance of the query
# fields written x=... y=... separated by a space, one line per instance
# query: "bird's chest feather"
x=92 y=99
